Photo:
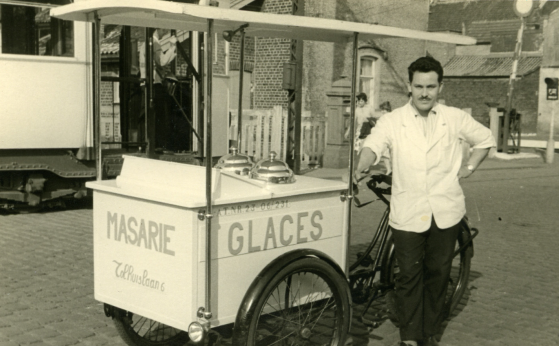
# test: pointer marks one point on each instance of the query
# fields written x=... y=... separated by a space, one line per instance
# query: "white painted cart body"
x=149 y=245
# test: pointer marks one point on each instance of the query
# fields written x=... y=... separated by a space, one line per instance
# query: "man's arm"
x=366 y=158
x=476 y=158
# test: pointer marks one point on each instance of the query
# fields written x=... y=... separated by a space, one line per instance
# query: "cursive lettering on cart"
x=126 y=272
x=284 y=231
x=143 y=233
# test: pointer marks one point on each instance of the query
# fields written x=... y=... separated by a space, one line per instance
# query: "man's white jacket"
x=425 y=168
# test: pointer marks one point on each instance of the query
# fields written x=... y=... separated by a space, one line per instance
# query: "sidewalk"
x=523 y=160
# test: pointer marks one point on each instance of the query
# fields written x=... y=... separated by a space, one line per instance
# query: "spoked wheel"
x=306 y=303
x=137 y=330
x=459 y=274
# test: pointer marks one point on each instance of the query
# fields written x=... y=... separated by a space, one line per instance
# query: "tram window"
x=31 y=31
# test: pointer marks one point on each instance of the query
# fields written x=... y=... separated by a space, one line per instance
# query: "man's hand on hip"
x=465 y=172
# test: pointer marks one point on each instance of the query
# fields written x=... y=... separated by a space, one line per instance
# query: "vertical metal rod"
x=352 y=139
x=508 y=107
x=241 y=75
x=150 y=114
x=298 y=104
x=97 y=94
x=209 y=74
x=298 y=10
x=198 y=92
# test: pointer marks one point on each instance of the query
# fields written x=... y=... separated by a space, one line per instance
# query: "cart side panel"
x=247 y=236
x=144 y=258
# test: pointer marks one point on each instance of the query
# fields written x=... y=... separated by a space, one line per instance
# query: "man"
x=424 y=139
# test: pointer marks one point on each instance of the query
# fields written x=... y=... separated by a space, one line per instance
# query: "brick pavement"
x=46 y=291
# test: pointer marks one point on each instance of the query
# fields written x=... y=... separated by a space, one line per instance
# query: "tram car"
x=48 y=144
x=45 y=110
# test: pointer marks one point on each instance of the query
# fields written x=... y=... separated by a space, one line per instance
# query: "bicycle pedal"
x=369 y=323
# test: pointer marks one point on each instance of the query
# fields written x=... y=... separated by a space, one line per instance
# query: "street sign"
x=552 y=86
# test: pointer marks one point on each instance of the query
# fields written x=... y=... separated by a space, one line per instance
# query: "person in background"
x=363 y=112
x=427 y=203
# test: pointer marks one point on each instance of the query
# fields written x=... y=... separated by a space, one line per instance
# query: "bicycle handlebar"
x=377 y=179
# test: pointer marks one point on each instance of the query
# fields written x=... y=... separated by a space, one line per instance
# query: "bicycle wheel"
x=459 y=274
x=306 y=303
x=137 y=330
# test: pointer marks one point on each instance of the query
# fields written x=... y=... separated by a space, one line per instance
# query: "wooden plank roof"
x=489 y=66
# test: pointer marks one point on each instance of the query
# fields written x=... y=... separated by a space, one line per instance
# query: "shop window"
x=30 y=30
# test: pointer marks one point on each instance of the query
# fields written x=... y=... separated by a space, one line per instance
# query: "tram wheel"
x=137 y=330
x=306 y=303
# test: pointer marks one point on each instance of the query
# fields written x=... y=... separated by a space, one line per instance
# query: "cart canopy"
x=172 y=15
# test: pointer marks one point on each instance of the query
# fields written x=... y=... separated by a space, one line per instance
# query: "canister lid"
x=235 y=162
x=272 y=170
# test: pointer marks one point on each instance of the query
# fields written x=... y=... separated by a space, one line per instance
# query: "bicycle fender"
x=256 y=289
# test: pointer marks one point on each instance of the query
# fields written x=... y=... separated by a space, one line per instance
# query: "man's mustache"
x=424 y=99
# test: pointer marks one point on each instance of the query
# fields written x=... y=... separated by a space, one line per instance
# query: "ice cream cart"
x=182 y=250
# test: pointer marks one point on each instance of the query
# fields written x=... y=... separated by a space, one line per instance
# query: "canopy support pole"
x=241 y=75
x=352 y=140
x=97 y=94
x=209 y=74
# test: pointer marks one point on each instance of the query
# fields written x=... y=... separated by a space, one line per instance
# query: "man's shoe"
x=430 y=341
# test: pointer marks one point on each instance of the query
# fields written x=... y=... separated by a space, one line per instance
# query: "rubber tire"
x=455 y=291
x=319 y=269
x=132 y=337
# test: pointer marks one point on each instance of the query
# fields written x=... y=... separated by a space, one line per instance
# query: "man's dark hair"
x=426 y=64
x=362 y=96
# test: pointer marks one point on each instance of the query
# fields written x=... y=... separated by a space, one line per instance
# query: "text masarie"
x=148 y=234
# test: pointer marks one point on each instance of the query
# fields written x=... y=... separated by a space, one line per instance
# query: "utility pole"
x=522 y=8
x=512 y=80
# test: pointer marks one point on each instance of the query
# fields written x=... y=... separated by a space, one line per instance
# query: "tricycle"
x=241 y=248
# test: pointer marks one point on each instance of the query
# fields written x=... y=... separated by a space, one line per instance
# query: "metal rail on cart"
x=170 y=15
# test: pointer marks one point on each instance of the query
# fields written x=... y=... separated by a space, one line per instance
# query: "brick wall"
x=475 y=93
x=327 y=62
x=271 y=54
x=219 y=54
x=235 y=52
x=411 y=14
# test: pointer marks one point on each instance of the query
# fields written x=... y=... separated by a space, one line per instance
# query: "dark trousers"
x=424 y=260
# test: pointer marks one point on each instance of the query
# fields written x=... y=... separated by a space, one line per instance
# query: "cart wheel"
x=306 y=303
x=136 y=330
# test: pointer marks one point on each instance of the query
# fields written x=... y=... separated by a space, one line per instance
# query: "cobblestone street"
x=46 y=262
